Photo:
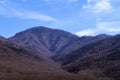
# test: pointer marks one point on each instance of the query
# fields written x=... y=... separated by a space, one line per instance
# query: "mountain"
x=52 y=42
x=49 y=41
x=82 y=41
x=18 y=63
x=96 y=55
x=101 y=55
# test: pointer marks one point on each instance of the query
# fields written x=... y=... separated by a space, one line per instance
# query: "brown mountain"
x=102 y=55
x=18 y=63
x=82 y=41
x=49 y=41
x=97 y=55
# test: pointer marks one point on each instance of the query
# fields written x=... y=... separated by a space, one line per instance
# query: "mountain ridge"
x=73 y=53
x=50 y=39
x=17 y=62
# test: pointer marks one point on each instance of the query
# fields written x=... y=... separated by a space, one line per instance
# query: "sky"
x=81 y=17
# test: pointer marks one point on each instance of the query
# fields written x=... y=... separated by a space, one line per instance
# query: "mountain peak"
x=102 y=36
x=44 y=39
x=72 y=52
x=40 y=28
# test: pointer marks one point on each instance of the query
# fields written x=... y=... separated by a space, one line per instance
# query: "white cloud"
x=8 y=9
x=101 y=27
x=102 y=6
x=38 y=16
x=99 y=6
x=109 y=26
x=86 y=32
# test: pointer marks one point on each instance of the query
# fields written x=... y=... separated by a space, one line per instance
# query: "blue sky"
x=81 y=17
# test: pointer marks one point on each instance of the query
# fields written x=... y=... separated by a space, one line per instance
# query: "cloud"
x=10 y=10
x=109 y=26
x=101 y=27
x=86 y=32
x=102 y=6
x=37 y=16
x=99 y=6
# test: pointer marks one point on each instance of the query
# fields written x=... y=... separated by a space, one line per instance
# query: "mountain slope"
x=74 y=53
x=52 y=42
x=15 y=59
x=45 y=39
x=19 y=63
x=102 y=55
x=82 y=41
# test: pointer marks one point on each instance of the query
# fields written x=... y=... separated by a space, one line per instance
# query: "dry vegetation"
x=51 y=76
x=94 y=61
